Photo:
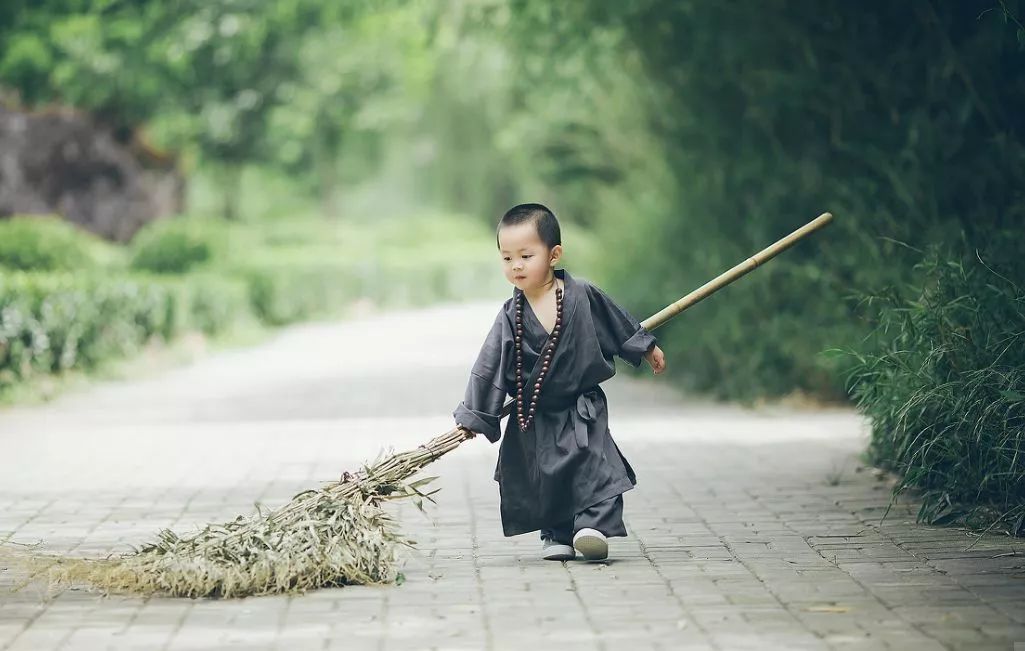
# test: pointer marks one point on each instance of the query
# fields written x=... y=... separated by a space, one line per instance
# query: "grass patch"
x=943 y=383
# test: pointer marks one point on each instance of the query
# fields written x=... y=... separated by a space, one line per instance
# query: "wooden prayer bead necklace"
x=526 y=418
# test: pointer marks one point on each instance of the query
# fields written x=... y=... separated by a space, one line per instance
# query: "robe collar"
x=570 y=298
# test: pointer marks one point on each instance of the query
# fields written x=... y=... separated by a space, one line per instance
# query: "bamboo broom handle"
x=725 y=278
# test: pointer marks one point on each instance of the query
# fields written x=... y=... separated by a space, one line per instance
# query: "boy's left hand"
x=657 y=359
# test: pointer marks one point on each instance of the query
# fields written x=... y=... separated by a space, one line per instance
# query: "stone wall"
x=58 y=161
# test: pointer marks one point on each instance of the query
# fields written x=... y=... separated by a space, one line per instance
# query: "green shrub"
x=944 y=386
x=175 y=246
x=54 y=322
x=43 y=243
x=216 y=303
x=281 y=293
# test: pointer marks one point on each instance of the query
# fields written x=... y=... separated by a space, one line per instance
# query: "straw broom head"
x=331 y=536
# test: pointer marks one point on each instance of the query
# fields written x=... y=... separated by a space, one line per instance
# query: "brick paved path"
x=748 y=529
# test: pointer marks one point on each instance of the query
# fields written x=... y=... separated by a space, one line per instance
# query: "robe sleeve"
x=618 y=331
x=481 y=408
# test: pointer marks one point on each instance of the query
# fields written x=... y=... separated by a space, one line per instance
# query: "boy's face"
x=526 y=260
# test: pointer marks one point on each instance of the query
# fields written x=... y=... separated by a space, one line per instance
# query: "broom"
x=334 y=535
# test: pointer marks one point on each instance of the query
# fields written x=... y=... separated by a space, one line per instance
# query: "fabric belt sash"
x=587 y=411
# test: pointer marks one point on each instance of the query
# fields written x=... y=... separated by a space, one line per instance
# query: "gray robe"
x=566 y=460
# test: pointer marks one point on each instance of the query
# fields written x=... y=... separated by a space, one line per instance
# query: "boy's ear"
x=556 y=253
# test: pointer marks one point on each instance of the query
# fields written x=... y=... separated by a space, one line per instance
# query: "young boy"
x=551 y=344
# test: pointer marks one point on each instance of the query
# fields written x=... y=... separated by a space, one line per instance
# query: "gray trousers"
x=605 y=516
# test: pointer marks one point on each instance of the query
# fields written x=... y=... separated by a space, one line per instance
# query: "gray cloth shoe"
x=591 y=544
x=556 y=551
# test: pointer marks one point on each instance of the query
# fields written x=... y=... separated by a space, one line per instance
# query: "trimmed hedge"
x=44 y=243
x=176 y=246
x=286 y=293
x=275 y=273
x=55 y=322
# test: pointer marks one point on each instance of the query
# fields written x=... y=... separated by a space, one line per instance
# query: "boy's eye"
x=506 y=259
x=528 y=256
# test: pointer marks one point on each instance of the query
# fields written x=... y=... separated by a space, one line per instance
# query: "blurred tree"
x=206 y=77
x=896 y=116
x=359 y=80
